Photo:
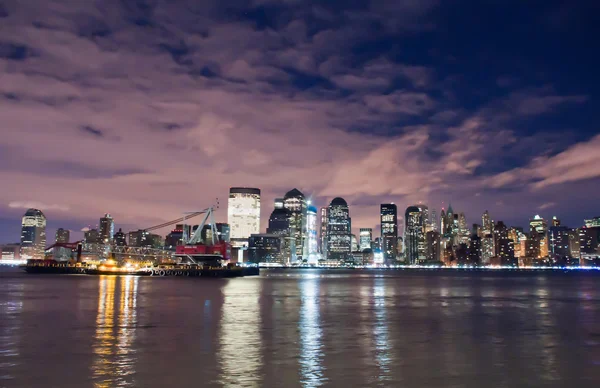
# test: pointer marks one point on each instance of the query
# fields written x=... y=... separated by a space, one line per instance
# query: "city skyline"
x=371 y=101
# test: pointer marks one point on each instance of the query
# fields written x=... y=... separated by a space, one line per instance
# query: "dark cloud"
x=357 y=99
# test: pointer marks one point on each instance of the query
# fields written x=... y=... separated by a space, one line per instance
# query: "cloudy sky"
x=146 y=109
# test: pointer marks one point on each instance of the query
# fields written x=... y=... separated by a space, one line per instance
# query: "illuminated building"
x=62 y=236
x=414 y=236
x=540 y=226
x=559 y=241
x=311 y=251
x=295 y=202
x=432 y=250
x=353 y=243
x=365 y=237
x=265 y=248
x=10 y=251
x=120 y=238
x=504 y=245
x=389 y=231
x=555 y=221
x=487 y=238
x=339 y=241
x=443 y=224
x=574 y=244
x=426 y=217
x=279 y=224
x=433 y=222
x=91 y=236
x=107 y=229
x=463 y=229
x=514 y=234
x=475 y=250
x=592 y=222
x=33 y=234
x=243 y=214
x=589 y=241
x=323 y=232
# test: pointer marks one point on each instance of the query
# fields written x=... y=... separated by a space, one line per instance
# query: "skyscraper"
x=353 y=243
x=487 y=238
x=323 y=232
x=107 y=229
x=432 y=250
x=559 y=241
x=62 y=236
x=311 y=251
x=463 y=230
x=243 y=214
x=504 y=245
x=295 y=202
x=120 y=238
x=339 y=240
x=475 y=250
x=33 y=234
x=414 y=236
x=389 y=231
x=365 y=237
x=540 y=225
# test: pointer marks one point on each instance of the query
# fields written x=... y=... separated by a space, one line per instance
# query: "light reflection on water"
x=115 y=358
x=275 y=330
x=240 y=356
x=311 y=356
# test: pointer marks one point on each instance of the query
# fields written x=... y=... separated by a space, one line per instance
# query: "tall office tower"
x=433 y=223
x=426 y=217
x=515 y=235
x=555 y=221
x=414 y=236
x=243 y=214
x=107 y=229
x=559 y=242
x=365 y=238
x=265 y=248
x=464 y=235
x=389 y=231
x=353 y=243
x=311 y=250
x=323 y=232
x=589 y=243
x=295 y=202
x=449 y=222
x=92 y=236
x=475 y=250
x=540 y=225
x=62 y=236
x=279 y=224
x=443 y=225
x=339 y=240
x=488 y=250
x=432 y=244
x=33 y=235
x=505 y=249
x=574 y=244
x=120 y=238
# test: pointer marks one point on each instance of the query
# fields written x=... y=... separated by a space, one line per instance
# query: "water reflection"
x=240 y=355
x=311 y=356
x=10 y=333
x=381 y=331
x=114 y=361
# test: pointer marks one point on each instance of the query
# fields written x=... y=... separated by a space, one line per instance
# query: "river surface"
x=301 y=328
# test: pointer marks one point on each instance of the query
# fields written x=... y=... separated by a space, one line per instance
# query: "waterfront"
x=302 y=328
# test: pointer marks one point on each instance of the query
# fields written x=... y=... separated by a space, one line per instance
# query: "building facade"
x=414 y=236
x=339 y=240
x=365 y=238
x=540 y=226
x=243 y=214
x=265 y=248
x=107 y=229
x=295 y=202
x=62 y=236
x=389 y=231
x=33 y=235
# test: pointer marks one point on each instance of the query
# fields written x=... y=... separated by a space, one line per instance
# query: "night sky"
x=146 y=109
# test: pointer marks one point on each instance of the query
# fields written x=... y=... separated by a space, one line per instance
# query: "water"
x=301 y=328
